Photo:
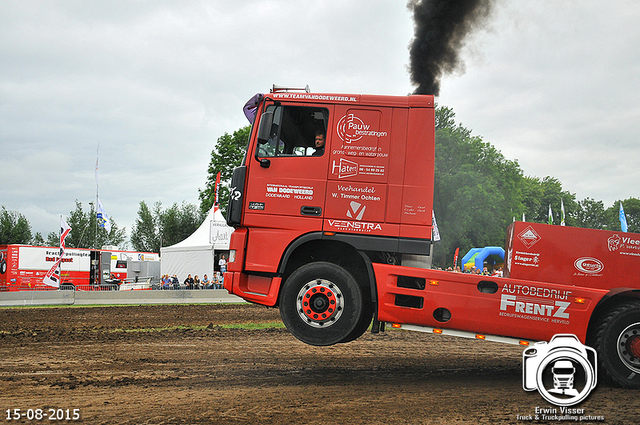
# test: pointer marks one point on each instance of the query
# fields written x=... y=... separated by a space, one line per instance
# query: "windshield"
x=295 y=131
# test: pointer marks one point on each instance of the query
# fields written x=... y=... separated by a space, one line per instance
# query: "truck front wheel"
x=321 y=303
x=617 y=342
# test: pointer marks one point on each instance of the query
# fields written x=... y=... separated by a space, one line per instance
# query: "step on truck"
x=332 y=208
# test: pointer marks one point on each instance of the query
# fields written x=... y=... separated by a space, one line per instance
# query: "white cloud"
x=155 y=83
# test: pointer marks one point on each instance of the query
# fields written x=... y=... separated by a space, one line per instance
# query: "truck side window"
x=294 y=131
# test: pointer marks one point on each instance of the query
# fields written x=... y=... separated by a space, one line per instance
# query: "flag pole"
x=61 y=250
x=95 y=212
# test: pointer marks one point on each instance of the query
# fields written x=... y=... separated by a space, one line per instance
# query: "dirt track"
x=128 y=365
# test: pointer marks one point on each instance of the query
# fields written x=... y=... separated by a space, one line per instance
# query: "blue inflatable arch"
x=479 y=255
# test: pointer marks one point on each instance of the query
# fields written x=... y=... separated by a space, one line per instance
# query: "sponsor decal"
x=69 y=253
x=356 y=193
x=535 y=303
x=529 y=237
x=311 y=96
x=527 y=259
x=355 y=226
x=220 y=236
x=54 y=259
x=352 y=128
x=614 y=242
x=345 y=168
x=289 y=191
x=589 y=266
x=356 y=210
x=624 y=245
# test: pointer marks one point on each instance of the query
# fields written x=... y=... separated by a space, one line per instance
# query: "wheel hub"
x=629 y=347
x=320 y=303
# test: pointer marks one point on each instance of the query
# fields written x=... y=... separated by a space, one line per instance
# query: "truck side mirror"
x=265 y=127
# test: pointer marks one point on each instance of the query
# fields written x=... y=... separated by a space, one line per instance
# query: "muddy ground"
x=178 y=364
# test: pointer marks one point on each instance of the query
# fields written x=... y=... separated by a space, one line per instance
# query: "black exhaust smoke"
x=440 y=29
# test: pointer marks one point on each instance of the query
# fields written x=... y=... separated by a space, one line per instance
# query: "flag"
x=550 y=215
x=523 y=218
x=216 y=203
x=623 y=219
x=455 y=257
x=97 y=153
x=561 y=213
x=52 y=278
x=436 y=232
x=103 y=218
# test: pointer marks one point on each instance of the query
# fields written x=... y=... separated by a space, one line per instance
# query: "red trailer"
x=22 y=267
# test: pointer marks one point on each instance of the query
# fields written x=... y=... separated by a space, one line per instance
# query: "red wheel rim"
x=319 y=303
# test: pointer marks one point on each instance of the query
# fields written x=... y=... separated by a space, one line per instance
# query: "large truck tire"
x=617 y=342
x=321 y=304
x=363 y=324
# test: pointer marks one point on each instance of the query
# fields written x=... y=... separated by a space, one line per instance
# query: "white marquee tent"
x=197 y=254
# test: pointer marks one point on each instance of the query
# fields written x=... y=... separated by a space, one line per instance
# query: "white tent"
x=196 y=255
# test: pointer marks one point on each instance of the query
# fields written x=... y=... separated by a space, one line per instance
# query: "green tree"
x=156 y=228
x=591 y=214
x=38 y=240
x=145 y=235
x=226 y=155
x=85 y=234
x=178 y=222
x=539 y=194
x=477 y=192
x=53 y=239
x=14 y=228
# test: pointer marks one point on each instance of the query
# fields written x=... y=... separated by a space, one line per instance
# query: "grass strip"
x=111 y=305
x=246 y=326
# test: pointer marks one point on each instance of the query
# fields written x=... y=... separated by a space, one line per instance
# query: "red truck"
x=332 y=209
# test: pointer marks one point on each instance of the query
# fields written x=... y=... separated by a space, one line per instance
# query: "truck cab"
x=364 y=197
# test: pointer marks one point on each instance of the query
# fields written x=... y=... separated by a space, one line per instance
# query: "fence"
x=108 y=287
x=93 y=297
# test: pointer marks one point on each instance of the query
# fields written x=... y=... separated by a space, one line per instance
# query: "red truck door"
x=285 y=194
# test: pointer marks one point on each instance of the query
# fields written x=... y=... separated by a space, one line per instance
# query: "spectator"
x=223 y=264
x=205 y=282
x=166 y=282
x=175 y=282
x=196 y=282
x=189 y=282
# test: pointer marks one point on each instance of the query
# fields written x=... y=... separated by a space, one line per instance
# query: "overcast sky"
x=554 y=85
